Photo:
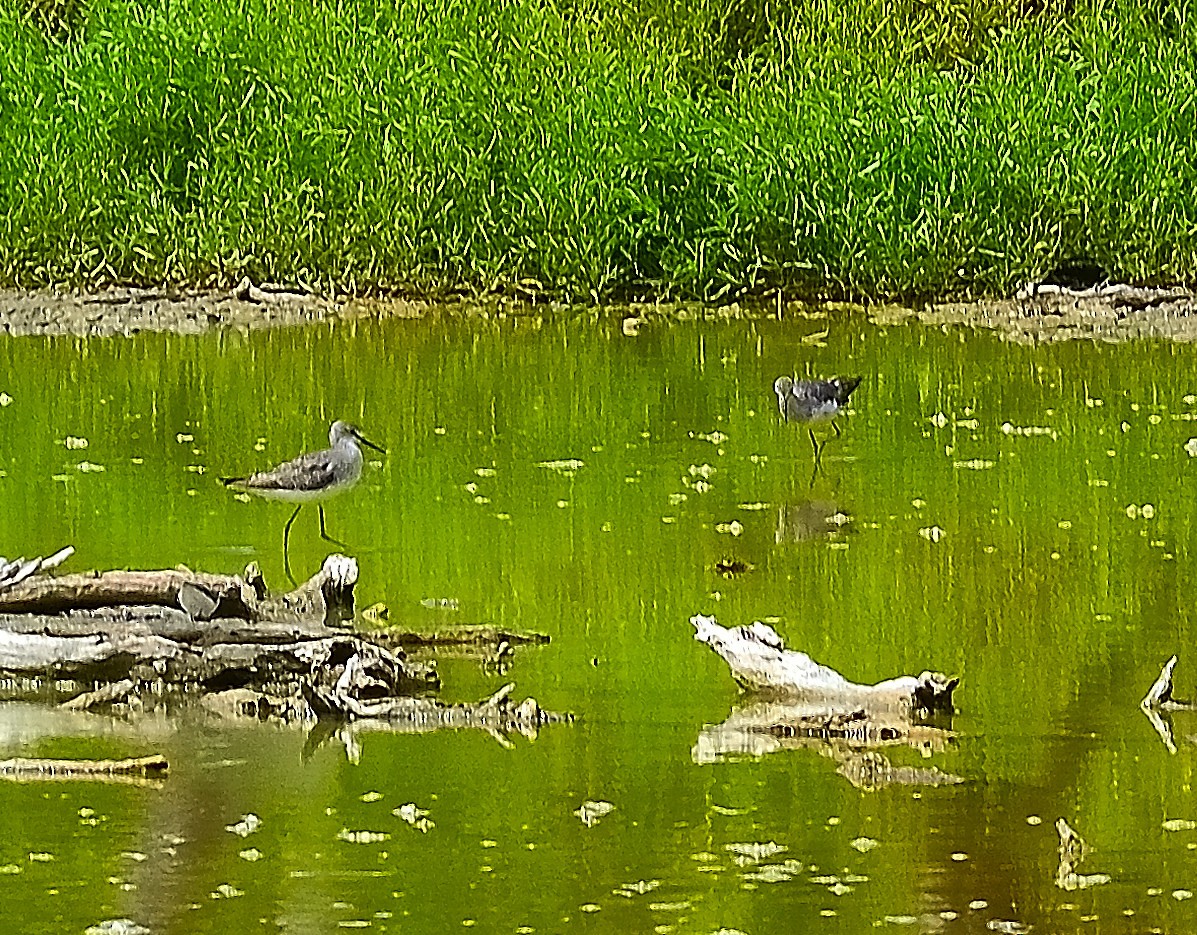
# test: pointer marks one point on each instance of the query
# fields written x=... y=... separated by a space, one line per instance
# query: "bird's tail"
x=232 y=481
x=844 y=387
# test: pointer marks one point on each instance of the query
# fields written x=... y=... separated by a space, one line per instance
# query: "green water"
x=1020 y=517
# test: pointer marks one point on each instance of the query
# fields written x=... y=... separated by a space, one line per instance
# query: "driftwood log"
x=138 y=639
x=26 y=768
x=798 y=704
x=760 y=662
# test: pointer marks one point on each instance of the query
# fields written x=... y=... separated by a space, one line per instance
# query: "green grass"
x=596 y=148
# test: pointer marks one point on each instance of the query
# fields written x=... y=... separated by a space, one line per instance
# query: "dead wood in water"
x=26 y=768
x=1159 y=704
x=803 y=705
x=760 y=662
x=145 y=639
x=1072 y=852
x=46 y=595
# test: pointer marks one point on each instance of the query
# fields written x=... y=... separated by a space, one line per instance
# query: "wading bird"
x=310 y=478
x=810 y=402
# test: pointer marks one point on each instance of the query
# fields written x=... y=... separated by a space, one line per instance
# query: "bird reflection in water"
x=809 y=520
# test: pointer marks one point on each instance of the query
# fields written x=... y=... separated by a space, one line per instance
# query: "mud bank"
x=127 y=311
x=1045 y=314
x=1036 y=314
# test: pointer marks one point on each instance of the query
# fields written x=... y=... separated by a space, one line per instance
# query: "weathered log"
x=25 y=768
x=760 y=662
x=324 y=600
x=223 y=640
x=43 y=594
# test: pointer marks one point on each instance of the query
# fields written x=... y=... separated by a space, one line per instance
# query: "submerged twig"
x=1159 y=701
x=1072 y=852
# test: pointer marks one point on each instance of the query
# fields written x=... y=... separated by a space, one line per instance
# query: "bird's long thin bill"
x=370 y=444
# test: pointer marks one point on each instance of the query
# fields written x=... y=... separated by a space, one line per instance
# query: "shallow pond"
x=1018 y=516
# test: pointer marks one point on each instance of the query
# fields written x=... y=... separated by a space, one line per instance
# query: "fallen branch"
x=1160 y=693
x=47 y=595
x=760 y=662
x=224 y=641
x=24 y=768
x=1159 y=703
x=463 y=635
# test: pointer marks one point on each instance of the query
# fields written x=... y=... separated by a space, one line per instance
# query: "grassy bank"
x=693 y=148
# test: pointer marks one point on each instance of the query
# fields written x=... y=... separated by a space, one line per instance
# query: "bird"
x=810 y=402
x=311 y=477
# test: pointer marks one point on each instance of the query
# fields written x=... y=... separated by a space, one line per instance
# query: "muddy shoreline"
x=1036 y=314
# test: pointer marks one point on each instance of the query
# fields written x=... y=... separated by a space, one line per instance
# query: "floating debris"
x=775 y=873
x=1030 y=431
x=246 y=826
x=753 y=852
x=639 y=888
x=362 y=837
x=730 y=568
x=116 y=927
x=417 y=817
x=440 y=603
x=864 y=845
x=591 y=811
x=376 y=613
x=566 y=466
x=1179 y=824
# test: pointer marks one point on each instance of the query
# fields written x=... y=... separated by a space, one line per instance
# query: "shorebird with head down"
x=812 y=402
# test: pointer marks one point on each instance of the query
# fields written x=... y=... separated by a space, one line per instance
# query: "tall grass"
x=596 y=148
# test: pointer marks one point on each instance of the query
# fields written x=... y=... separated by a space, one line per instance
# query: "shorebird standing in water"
x=811 y=402
x=311 y=477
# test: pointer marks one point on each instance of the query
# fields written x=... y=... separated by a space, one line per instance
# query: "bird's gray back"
x=316 y=470
x=803 y=400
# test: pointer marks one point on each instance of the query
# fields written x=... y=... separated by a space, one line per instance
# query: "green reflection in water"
x=1017 y=516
